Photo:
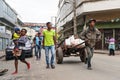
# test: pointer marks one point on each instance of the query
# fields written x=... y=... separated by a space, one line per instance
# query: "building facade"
x=106 y=12
x=35 y=26
x=8 y=20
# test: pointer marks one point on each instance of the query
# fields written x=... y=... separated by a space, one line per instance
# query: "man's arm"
x=26 y=39
x=34 y=40
x=82 y=35
x=54 y=38
x=43 y=41
x=98 y=35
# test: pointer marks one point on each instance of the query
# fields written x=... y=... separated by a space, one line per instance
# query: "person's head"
x=36 y=35
x=23 y=32
x=111 y=37
x=76 y=36
x=17 y=30
x=49 y=25
x=92 y=22
x=39 y=33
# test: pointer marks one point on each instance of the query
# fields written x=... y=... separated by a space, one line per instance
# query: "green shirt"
x=48 y=37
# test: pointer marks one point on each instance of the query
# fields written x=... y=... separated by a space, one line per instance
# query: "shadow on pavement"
x=71 y=62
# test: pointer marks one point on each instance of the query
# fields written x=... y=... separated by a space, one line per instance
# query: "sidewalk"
x=105 y=52
x=2 y=54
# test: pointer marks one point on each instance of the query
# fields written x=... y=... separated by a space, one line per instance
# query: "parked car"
x=28 y=50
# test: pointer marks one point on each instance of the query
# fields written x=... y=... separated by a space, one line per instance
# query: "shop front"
x=4 y=40
x=108 y=30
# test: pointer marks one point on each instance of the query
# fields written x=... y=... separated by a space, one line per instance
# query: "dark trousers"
x=112 y=52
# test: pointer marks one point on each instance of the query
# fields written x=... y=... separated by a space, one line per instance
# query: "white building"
x=8 y=20
x=106 y=12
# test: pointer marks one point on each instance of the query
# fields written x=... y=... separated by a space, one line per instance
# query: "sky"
x=38 y=11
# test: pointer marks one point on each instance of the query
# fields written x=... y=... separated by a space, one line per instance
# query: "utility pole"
x=56 y=27
x=73 y=2
x=55 y=24
x=75 y=17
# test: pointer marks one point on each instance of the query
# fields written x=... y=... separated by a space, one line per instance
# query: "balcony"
x=98 y=6
x=7 y=13
x=80 y=2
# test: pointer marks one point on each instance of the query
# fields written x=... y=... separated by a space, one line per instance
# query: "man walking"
x=49 y=42
x=91 y=35
x=38 y=47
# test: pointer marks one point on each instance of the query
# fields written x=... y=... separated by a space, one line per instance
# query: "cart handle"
x=79 y=44
x=61 y=42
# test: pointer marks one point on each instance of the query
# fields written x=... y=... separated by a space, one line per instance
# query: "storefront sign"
x=5 y=35
x=2 y=29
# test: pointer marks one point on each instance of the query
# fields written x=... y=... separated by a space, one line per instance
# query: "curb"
x=100 y=53
x=105 y=53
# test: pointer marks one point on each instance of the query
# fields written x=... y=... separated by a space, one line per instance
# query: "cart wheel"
x=82 y=55
x=59 y=56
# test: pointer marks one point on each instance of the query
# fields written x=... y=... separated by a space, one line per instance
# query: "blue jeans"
x=90 y=52
x=52 y=49
x=38 y=51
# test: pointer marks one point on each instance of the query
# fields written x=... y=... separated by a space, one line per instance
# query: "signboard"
x=2 y=29
x=34 y=24
x=5 y=35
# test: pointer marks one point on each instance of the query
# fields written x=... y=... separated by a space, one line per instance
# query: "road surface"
x=104 y=68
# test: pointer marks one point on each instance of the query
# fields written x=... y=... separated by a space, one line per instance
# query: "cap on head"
x=17 y=29
x=92 y=20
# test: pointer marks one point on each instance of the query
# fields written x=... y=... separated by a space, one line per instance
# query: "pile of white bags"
x=72 y=41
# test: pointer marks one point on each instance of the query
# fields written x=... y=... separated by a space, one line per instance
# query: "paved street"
x=104 y=68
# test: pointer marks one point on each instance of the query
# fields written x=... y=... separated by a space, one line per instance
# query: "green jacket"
x=90 y=36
